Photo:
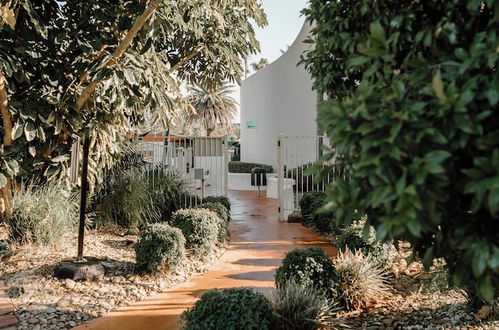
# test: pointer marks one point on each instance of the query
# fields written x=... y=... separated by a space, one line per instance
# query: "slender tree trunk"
x=5 y=192
x=187 y=58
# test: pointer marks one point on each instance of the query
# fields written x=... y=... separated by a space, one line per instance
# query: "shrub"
x=324 y=222
x=310 y=267
x=236 y=158
x=354 y=238
x=231 y=309
x=221 y=211
x=225 y=201
x=167 y=191
x=412 y=110
x=200 y=228
x=159 y=245
x=126 y=201
x=299 y=307
x=42 y=214
x=361 y=283
x=310 y=202
x=243 y=167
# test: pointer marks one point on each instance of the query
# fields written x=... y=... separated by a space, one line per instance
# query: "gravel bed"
x=45 y=302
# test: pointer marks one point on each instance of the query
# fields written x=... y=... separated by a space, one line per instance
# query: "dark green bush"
x=200 y=228
x=310 y=267
x=225 y=201
x=324 y=222
x=230 y=309
x=167 y=191
x=159 y=246
x=356 y=237
x=126 y=201
x=223 y=226
x=42 y=214
x=412 y=110
x=310 y=202
x=243 y=167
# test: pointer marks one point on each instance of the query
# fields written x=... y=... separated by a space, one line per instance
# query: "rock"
x=33 y=321
x=103 y=290
x=483 y=313
x=70 y=284
x=72 y=324
x=387 y=322
x=91 y=269
x=295 y=218
x=49 y=310
x=64 y=303
x=105 y=305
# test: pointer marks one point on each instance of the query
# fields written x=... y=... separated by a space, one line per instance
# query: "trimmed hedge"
x=159 y=245
x=310 y=202
x=310 y=267
x=243 y=167
x=230 y=309
x=200 y=228
x=225 y=201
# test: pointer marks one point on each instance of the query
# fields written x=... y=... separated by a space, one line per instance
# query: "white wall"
x=281 y=100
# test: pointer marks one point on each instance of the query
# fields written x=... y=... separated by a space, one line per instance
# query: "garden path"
x=258 y=243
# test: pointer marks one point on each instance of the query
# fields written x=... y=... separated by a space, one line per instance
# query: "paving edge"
x=8 y=319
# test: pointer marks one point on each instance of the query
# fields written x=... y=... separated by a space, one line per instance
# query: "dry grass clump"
x=362 y=283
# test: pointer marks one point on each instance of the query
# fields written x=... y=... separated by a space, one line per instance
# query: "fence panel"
x=295 y=155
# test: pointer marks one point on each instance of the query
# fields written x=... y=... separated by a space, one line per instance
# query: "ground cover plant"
x=160 y=246
x=231 y=309
x=412 y=99
x=224 y=200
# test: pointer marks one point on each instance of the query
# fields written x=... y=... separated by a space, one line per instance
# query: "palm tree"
x=257 y=66
x=212 y=105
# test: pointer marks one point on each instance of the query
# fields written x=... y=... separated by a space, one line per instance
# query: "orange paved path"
x=258 y=243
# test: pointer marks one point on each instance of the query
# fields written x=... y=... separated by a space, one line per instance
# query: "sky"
x=285 y=22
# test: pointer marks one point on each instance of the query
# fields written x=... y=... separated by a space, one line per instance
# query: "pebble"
x=64 y=303
x=70 y=284
x=33 y=321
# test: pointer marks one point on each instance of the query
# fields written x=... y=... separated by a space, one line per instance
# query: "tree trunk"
x=5 y=192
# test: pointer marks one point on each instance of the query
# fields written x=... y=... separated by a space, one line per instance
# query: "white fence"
x=184 y=155
x=295 y=155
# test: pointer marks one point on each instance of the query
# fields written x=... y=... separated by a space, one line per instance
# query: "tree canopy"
x=413 y=114
x=55 y=54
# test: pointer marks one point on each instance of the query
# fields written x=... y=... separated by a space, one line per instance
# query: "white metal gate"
x=295 y=155
x=185 y=155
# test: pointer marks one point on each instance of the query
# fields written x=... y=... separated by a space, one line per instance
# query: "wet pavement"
x=258 y=244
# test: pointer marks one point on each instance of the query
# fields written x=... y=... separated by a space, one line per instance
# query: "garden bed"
x=44 y=302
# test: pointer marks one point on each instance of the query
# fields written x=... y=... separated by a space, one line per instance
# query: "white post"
x=280 y=175
x=226 y=165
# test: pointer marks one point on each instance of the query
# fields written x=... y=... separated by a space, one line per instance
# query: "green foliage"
x=223 y=224
x=126 y=201
x=324 y=222
x=299 y=307
x=412 y=110
x=42 y=214
x=359 y=236
x=231 y=309
x=310 y=202
x=167 y=190
x=225 y=201
x=200 y=227
x=362 y=283
x=159 y=245
x=310 y=267
x=55 y=50
x=244 y=167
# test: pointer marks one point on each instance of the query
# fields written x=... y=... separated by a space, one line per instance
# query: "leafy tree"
x=257 y=66
x=413 y=111
x=212 y=105
x=109 y=65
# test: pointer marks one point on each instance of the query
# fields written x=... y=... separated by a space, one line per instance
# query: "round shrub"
x=159 y=245
x=230 y=309
x=353 y=238
x=200 y=228
x=310 y=202
x=225 y=201
x=221 y=211
x=310 y=267
x=323 y=221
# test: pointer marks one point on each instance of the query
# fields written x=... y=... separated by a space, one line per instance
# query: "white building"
x=277 y=100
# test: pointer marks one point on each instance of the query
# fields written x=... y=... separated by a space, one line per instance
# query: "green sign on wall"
x=252 y=124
